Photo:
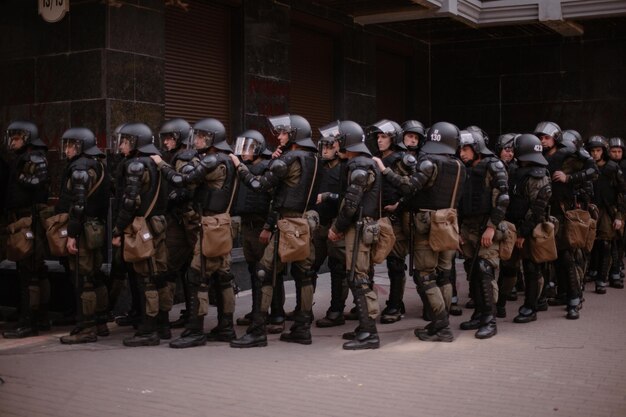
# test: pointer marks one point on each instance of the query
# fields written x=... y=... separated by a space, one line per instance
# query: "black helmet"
x=574 y=137
x=389 y=128
x=178 y=129
x=474 y=136
x=597 y=141
x=442 y=138
x=617 y=142
x=352 y=137
x=27 y=129
x=528 y=148
x=250 y=141
x=413 y=126
x=214 y=134
x=550 y=129
x=139 y=136
x=506 y=140
x=296 y=126
x=83 y=138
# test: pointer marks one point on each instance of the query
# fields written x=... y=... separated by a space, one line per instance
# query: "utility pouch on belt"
x=21 y=239
x=295 y=239
x=371 y=230
x=56 y=233
x=577 y=228
x=542 y=243
x=217 y=238
x=385 y=242
x=509 y=236
x=94 y=234
x=138 y=239
x=444 y=225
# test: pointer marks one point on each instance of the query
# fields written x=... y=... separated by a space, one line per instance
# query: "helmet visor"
x=71 y=147
x=330 y=133
x=125 y=143
x=280 y=124
x=466 y=139
x=384 y=126
x=202 y=139
x=247 y=146
x=168 y=140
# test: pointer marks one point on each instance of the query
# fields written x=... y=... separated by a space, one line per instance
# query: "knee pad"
x=194 y=277
x=443 y=278
x=485 y=269
x=224 y=279
x=425 y=282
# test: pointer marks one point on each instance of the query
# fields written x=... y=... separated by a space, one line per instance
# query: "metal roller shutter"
x=311 y=93
x=197 y=62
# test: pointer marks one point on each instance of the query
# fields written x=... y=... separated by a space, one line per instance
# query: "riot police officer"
x=389 y=138
x=292 y=178
x=144 y=195
x=608 y=196
x=356 y=223
x=436 y=184
x=28 y=188
x=481 y=210
x=253 y=208
x=413 y=136
x=568 y=172
x=84 y=194
x=617 y=151
x=216 y=183
x=182 y=220
x=530 y=194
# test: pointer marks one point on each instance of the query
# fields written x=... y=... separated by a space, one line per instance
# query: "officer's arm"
x=35 y=172
x=204 y=166
x=266 y=182
x=588 y=173
x=359 y=180
x=130 y=199
x=79 y=184
x=500 y=187
x=539 y=192
x=410 y=184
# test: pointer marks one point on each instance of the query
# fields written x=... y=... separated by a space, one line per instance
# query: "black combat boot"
x=395 y=307
x=332 y=319
x=255 y=335
x=300 y=331
x=146 y=334
x=163 y=325
x=79 y=335
x=193 y=335
x=26 y=327
x=365 y=335
x=224 y=331
x=472 y=324
x=526 y=315
x=487 y=328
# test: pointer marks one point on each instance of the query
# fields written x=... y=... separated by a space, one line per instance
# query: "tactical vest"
x=390 y=194
x=439 y=195
x=183 y=162
x=605 y=195
x=215 y=199
x=370 y=201
x=150 y=186
x=476 y=199
x=20 y=196
x=520 y=203
x=330 y=183
x=250 y=202
x=563 y=160
x=295 y=198
x=97 y=203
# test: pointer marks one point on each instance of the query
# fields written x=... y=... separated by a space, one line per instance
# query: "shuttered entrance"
x=197 y=62
x=311 y=94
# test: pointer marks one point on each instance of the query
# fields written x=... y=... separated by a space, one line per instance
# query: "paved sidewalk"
x=552 y=367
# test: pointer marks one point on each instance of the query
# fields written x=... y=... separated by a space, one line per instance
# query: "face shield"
x=202 y=139
x=245 y=146
x=466 y=139
x=15 y=139
x=71 y=147
x=280 y=124
x=385 y=127
x=168 y=140
x=125 y=144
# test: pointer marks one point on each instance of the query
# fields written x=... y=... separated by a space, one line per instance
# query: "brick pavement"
x=552 y=367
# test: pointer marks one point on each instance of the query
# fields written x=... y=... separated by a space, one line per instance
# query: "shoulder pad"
x=135 y=168
x=391 y=158
x=496 y=165
x=186 y=155
x=80 y=176
x=278 y=167
x=538 y=172
x=358 y=176
x=583 y=153
x=409 y=160
x=426 y=166
x=36 y=158
x=209 y=162
x=287 y=158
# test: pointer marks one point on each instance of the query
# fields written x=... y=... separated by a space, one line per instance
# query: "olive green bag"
x=138 y=239
x=21 y=238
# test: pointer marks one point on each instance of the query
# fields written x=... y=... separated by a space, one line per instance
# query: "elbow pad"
x=278 y=168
